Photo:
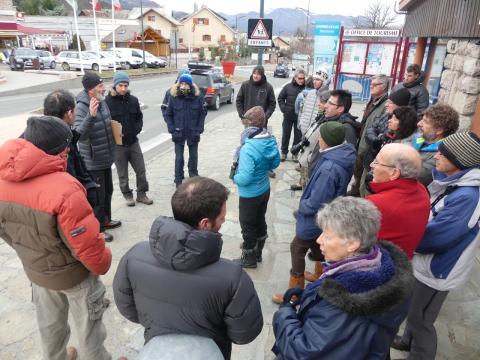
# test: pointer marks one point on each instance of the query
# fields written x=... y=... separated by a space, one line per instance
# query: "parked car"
x=213 y=84
x=71 y=60
x=152 y=60
x=109 y=56
x=47 y=59
x=281 y=71
x=132 y=57
x=24 y=58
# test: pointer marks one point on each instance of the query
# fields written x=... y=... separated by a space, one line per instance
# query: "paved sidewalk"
x=458 y=325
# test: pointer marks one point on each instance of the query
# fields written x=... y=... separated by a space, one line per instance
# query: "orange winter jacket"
x=46 y=218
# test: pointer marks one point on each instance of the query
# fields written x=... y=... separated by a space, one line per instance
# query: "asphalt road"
x=150 y=91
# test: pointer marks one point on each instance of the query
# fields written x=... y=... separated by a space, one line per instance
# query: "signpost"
x=260 y=33
x=326 y=45
x=372 y=32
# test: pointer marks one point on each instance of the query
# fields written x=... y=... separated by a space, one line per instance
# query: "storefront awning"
x=10 y=28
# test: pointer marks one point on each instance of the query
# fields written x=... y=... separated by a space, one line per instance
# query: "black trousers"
x=287 y=125
x=252 y=218
x=103 y=209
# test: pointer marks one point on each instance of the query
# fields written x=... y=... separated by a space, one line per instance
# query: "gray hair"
x=383 y=79
x=351 y=219
x=300 y=71
x=405 y=158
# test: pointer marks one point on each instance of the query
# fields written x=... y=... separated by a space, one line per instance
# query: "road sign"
x=260 y=32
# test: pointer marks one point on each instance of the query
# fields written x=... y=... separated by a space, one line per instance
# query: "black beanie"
x=48 y=133
x=462 y=149
x=90 y=80
x=400 y=97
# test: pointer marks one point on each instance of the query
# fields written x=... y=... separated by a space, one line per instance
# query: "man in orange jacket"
x=48 y=221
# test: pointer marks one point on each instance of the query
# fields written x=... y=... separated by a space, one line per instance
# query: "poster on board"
x=353 y=59
x=380 y=59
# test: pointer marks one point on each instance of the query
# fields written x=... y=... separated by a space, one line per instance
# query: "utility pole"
x=143 y=35
x=260 y=51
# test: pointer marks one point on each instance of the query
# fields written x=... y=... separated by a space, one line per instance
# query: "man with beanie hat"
x=256 y=91
x=96 y=144
x=257 y=155
x=329 y=179
x=125 y=108
x=185 y=117
x=48 y=221
x=438 y=122
x=446 y=253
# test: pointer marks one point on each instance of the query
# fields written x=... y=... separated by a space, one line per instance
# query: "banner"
x=326 y=45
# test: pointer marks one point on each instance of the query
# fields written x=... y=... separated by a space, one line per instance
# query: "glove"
x=292 y=297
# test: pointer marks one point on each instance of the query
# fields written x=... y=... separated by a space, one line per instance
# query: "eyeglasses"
x=376 y=163
x=331 y=103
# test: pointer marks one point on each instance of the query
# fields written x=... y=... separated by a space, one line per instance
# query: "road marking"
x=155 y=141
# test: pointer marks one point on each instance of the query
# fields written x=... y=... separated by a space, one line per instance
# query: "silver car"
x=47 y=59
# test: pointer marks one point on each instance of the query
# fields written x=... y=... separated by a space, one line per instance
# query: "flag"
x=116 y=5
x=96 y=5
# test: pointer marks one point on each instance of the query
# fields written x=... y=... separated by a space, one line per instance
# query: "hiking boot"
x=399 y=345
x=113 y=224
x=71 y=353
x=247 y=260
x=129 y=199
x=283 y=157
x=315 y=275
x=294 y=282
x=259 y=248
x=296 y=187
x=108 y=237
x=144 y=199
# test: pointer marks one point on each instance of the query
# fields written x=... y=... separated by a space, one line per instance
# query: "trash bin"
x=228 y=67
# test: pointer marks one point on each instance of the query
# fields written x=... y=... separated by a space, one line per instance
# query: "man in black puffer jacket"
x=419 y=96
x=256 y=92
x=286 y=101
x=125 y=108
x=177 y=282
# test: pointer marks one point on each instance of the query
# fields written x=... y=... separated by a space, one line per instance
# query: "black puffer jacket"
x=253 y=93
x=177 y=283
x=286 y=99
x=96 y=143
x=419 y=97
x=126 y=110
x=352 y=126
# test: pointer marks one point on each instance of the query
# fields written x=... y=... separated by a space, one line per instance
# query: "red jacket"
x=405 y=207
x=46 y=218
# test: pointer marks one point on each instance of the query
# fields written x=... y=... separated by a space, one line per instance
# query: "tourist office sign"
x=260 y=32
x=372 y=32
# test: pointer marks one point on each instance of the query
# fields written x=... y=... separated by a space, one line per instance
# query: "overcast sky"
x=333 y=7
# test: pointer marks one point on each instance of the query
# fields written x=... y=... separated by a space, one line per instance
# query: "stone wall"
x=460 y=82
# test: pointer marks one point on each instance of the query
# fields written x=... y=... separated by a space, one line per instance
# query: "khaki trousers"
x=86 y=304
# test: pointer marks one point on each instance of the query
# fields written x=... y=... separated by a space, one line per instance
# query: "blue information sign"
x=326 y=45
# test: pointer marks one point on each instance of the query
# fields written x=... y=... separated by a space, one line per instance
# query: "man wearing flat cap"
x=47 y=220
x=96 y=145
x=446 y=253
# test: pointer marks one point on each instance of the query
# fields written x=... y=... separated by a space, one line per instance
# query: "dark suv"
x=24 y=58
x=215 y=86
x=281 y=70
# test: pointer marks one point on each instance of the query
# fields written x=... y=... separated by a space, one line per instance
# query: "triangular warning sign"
x=260 y=31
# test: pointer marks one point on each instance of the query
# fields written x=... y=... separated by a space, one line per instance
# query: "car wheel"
x=95 y=67
x=65 y=66
x=128 y=66
x=216 y=104
x=232 y=97
x=42 y=67
x=53 y=65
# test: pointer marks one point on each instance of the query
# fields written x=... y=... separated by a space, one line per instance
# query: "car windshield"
x=202 y=80
x=25 y=52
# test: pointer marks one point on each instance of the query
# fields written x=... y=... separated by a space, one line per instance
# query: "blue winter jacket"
x=352 y=315
x=329 y=180
x=185 y=115
x=257 y=156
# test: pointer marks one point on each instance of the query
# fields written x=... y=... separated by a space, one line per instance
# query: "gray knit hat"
x=462 y=149
x=120 y=77
x=48 y=133
x=255 y=117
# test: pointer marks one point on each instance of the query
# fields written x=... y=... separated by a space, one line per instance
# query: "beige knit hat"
x=255 y=117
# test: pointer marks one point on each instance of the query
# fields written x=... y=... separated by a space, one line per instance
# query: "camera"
x=233 y=170
x=299 y=147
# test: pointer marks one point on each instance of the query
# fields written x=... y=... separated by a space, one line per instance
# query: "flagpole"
x=113 y=38
x=78 y=35
x=94 y=3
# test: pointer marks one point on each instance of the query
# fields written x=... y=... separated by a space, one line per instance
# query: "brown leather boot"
x=294 y=282
x=318 y=271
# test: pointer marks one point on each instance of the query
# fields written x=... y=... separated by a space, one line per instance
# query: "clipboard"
x=117 y=132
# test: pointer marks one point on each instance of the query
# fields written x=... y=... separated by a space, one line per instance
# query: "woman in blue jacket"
x=257 y=156
x=356 y=306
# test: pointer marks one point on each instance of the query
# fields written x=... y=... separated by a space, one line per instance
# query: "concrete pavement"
x=458 y=324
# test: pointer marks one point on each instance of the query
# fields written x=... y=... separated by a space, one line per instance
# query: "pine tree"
x=74 y=45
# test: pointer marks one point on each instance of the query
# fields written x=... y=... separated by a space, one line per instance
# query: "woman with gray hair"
x=357 y=305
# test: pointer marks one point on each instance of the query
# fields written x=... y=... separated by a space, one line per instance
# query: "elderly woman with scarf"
x=356 y=306
x=258 y=154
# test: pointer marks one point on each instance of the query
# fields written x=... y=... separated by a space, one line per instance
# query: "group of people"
x=389 y=249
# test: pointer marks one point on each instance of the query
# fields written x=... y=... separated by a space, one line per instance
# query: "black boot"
x=259 y=247
x=247 y=260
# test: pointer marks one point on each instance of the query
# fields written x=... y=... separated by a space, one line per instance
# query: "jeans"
x=179 y=162
x=420 y=332
x=131 y=154
x=103 y=210
x=85 y=302
x=287 y=125
x=252 y=218
x=298 y=250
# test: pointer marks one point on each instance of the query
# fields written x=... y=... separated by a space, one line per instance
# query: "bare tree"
x=376 y=16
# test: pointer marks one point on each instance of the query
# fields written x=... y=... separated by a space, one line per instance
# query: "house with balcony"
x=158 y=20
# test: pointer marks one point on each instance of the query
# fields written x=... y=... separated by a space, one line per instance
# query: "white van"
x=132 y=57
